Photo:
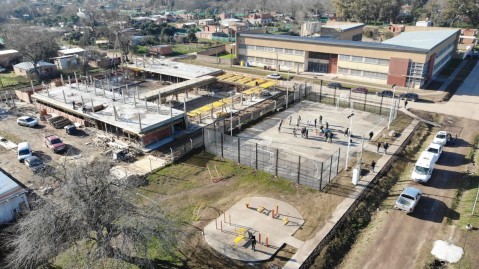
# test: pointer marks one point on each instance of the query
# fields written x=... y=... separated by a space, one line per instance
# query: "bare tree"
x=94 y=215
x=33 y=44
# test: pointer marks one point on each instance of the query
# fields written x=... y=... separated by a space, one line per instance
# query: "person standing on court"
x=371 y=134
x=320 y=119
x=279 y=126
x=373 y=164
x=386 y=146
x=253 y=243
x=379 y=146
x=315 y=122
x=290 y=119
x=405 y=104
x=327 y=125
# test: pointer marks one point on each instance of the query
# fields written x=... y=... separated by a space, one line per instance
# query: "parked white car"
x=24 y=151
x=435 y=149
x=27 y=121
x=424 y=166
x=408 y=199
x=274 y=76
x=441 y=138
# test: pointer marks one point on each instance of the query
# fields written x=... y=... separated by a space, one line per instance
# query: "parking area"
x=79 y=144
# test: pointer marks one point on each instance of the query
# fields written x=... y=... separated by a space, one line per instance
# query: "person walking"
x=346 y=132
x=373 y=164
x=253 y=243
x=371 y=134
x=320 y=119
x=279 y=126
x=379 y=146
x=315 y=122
x=405 y=104
x=386 y=146
x=294 y=132
x=327 y=125
x=290 y=119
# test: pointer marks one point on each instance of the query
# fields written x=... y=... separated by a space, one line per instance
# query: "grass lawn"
x=10 y=79
x=179 y=49
x=227 y=56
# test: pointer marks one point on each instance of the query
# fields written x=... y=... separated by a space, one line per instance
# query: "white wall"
x=8 y=208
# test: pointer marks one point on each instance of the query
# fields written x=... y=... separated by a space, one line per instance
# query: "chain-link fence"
x=263 y=156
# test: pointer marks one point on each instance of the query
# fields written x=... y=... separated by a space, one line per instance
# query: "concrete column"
x=171 y=110
x=139 y=120
x=69 y=82
x=64 y=98
x=61 y=77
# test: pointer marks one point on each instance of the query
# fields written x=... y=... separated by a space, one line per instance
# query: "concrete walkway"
x=451 y=77
x=310 y=245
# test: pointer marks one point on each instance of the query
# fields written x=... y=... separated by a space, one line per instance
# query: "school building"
x=409 y=59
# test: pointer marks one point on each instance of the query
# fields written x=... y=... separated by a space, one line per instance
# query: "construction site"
x=152 y=102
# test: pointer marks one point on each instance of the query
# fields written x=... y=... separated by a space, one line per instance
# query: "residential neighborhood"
x=234 y=134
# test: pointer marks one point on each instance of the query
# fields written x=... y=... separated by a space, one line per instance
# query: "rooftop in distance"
x=421 y=39
x=343 y=27
x=170 y=68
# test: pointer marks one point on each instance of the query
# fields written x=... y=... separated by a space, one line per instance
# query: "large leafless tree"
x=33 y=43
x=100 y=218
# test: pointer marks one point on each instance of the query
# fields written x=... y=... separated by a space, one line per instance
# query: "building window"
x=343 y=70
x=357 y=59
x=288 y=51
x=279 y=50
x=345 y=57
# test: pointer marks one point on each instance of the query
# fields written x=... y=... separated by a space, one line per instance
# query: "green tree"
x=456 y=8
x=192 y=35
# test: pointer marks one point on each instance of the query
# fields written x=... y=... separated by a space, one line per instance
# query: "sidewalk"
x=309 y=246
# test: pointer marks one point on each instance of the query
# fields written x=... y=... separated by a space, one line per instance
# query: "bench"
x=240 y=232
x=260 y=209
x=285 y=220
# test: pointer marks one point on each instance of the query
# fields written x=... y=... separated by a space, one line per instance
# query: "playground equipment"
x=240 y=234
x=214 y=177
x=197 y=210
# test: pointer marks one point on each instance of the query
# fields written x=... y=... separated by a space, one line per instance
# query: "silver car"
x=27 y=121
x=34 y=163
x=408 y=199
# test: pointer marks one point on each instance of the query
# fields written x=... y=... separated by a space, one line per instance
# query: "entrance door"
x=317 y=67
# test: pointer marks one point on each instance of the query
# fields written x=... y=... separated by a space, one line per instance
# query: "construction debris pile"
x=116 y=149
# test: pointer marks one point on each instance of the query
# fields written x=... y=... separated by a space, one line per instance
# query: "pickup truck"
x=54 y=143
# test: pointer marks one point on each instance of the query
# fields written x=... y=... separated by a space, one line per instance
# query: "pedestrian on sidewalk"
x=379 y=146
x=290 y=119
x=371 y=134
x=373 y=164
x=320 y=119
x=386 y=146
x=405 y=104
x=279 y=126
x=315 y=122
x=253 y=243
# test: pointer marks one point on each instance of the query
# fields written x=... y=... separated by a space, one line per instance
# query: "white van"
x=423 y=168
x=24 y=151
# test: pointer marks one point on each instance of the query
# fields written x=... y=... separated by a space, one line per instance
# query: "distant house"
x=13 y=199
x=68 y=58
x=26 y=69
x=468 y=36
x=206 y=22
x=160 y=50
x=9 y=57
x=260 y=18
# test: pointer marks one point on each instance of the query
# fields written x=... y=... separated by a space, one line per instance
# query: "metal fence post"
x=221 y=145
x=381 y=105
x=321 y=177
x=239 y=158
x=365 y=96
x=320 y=91
x=277 y=157
x=256 y=158
x=330 y=168
x=339 y=155
x=299 y=167
x=334 y=95
x=203 y=139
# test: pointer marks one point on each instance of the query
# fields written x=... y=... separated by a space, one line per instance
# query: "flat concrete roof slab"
x=174 y=69
x=255 y=223
x=126 y=110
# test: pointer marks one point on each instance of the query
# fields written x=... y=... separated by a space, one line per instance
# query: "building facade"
x=13 y=199
x=410 y=59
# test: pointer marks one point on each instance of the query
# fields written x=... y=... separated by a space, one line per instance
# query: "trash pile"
x=117 y=149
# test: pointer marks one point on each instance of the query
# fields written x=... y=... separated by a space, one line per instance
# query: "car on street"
x=27 y=121
x=424 y=166
x=360 y=90
x=34 y=163
x=408 y=199
x=409 y=96
x=274 y=76
x=441 y=138
x=54 y=143
x=435 y=149
x=385 y=93
x=23 y=151
x=335 y=85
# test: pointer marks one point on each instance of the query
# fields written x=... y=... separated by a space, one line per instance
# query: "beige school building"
x=411 y=59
